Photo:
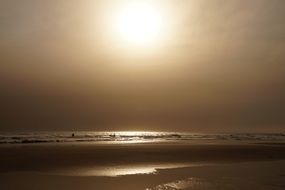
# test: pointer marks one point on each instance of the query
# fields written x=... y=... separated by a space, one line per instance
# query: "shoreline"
x=49 y=157
x=261 y=175
x=144 y=166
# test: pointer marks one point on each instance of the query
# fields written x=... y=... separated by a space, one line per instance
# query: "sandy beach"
x=142 y=95
x=142 y=166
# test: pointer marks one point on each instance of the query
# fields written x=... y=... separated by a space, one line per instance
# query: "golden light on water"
x=139 y=23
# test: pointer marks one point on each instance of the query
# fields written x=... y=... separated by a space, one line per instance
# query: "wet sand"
x=201 y=166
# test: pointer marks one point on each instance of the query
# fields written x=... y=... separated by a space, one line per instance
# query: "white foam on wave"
x=189 y=183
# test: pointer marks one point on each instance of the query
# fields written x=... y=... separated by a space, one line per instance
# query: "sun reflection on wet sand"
x=120 y=170
x=116 y=171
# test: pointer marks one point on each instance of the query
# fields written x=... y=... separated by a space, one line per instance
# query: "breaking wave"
x=132 y=137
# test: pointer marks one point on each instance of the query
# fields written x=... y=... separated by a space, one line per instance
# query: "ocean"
x=119 y=137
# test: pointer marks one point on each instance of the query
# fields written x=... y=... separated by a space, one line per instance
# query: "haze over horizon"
x=215 y=66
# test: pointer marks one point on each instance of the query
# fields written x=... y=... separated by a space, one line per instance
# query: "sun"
x=139 y=23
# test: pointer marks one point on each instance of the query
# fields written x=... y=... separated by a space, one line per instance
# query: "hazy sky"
x=220 y=67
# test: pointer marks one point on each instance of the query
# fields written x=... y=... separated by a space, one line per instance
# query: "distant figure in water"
x=73 y=135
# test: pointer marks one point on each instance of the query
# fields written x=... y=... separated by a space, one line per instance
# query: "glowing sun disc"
x=139 y=23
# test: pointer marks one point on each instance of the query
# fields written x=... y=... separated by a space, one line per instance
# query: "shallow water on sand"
x=189 y=183
x=246 y=176
x=152 y=166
